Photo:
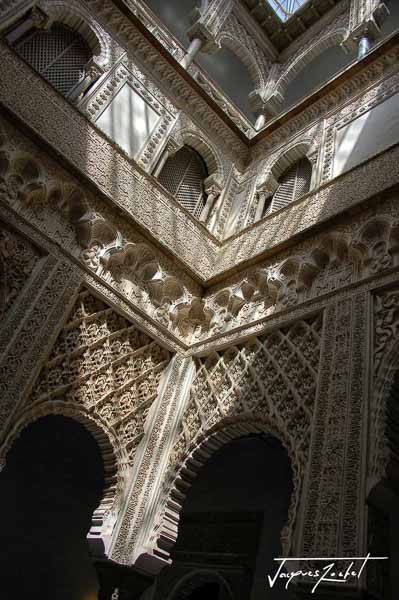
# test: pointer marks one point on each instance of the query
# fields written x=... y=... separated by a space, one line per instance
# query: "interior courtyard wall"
x=63 y=230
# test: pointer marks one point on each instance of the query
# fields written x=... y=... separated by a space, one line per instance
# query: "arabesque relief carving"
x=134 y=267
x=267 y=384
x=106 y=373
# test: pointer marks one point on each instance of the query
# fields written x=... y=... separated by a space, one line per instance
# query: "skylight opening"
x=286 y=8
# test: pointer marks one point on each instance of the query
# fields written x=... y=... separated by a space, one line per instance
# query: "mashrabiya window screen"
x=59 y=54
x=293 y=184
x=183 y=175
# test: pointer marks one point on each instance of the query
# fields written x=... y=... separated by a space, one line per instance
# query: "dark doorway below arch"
x=51 y=485
x=231 y=522
x=210 y=591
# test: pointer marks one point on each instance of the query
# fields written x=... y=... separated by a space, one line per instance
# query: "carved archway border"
x=384 y=379
x=204 y=147
x=243 y=54
x=198 y=453
x=290 y=154
x=110 y=451
x=73 y=14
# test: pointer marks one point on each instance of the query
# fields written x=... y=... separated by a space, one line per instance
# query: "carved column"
x=94 y=71
x=264 y=191
x=204 y=32
x=213 y=189
x=334 y=499
x=133 y=531
x=366 y=18
x=266 y=103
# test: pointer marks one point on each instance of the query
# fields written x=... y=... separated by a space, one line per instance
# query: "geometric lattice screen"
x=59 y=54
x=293 y=184
x=183 y=175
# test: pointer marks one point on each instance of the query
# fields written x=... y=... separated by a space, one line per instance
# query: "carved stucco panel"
x=334 y=501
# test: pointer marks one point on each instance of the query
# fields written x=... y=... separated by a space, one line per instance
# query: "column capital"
x=208 y=22
x=213 y=186
x=268 y=185
x=366 y=18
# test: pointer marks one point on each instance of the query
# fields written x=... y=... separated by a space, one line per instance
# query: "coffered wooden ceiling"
x=282 y=33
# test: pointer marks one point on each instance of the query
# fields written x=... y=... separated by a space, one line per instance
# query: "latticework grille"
x=293 y=184
x=59 y=54
x=183 y=176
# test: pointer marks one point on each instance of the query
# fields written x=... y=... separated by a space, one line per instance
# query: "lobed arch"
x=111 y=454
x=301 y=60
x=197 y=454
x=193 y=580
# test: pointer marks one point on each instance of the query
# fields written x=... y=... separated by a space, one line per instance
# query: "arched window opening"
x=59 y=54
x=183 y=175
x=52 y=483
x=293 y=183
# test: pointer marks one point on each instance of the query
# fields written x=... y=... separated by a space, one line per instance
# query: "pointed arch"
x=384 y=411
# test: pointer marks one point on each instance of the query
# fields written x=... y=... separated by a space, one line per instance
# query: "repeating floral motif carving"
x=134 y=267
x=103 y=370
x=329 y=262
x=99 y=160
x=137 y=515
x=386 y=366
x=129 y=73
x=130 y=38
x=270 y=381
x=52 y=290
x=18 y=259
x=252 y=241
x=118 y=255
x=103 y=363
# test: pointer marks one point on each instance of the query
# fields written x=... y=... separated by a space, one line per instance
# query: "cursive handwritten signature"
x=328 y=574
